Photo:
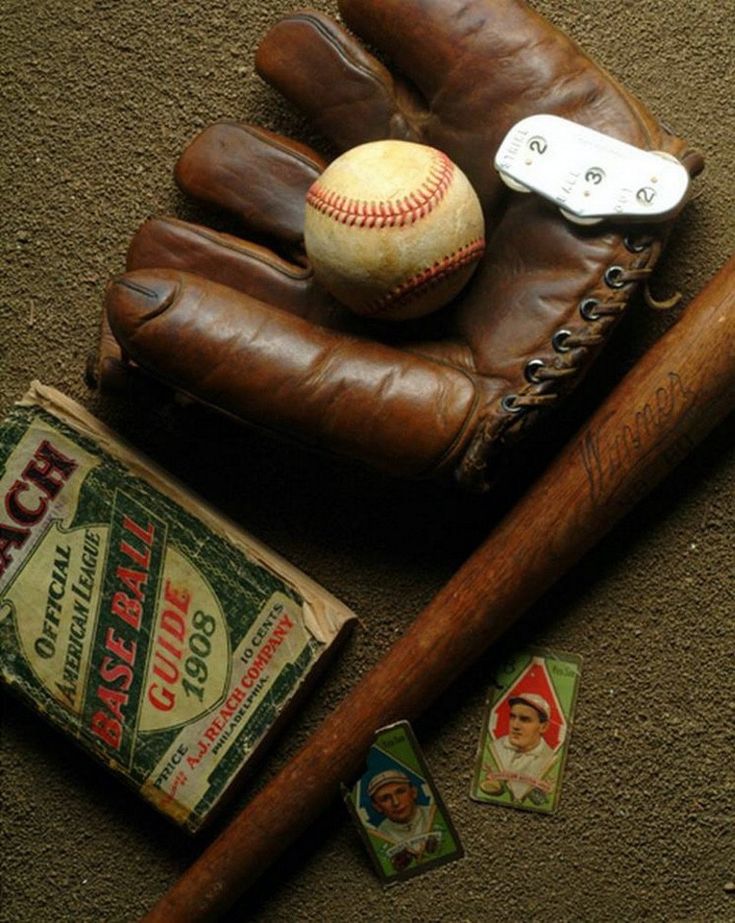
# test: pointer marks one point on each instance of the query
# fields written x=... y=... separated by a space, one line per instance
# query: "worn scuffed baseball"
x=393 y=229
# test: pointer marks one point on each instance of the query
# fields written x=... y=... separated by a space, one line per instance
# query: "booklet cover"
x=138 y=619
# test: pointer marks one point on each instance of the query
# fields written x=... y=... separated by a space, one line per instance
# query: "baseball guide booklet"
x=164 y=639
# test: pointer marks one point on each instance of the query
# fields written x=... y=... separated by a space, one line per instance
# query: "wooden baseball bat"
x=680 y=389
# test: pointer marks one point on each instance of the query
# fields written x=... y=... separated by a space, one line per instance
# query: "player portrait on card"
x=525 y=734
x=399 y=813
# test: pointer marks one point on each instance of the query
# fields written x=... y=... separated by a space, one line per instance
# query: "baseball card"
x=525 y=733
x=398 y=811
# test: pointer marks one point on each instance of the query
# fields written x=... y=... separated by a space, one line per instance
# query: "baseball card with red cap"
x=525 y=734
x=398 y=810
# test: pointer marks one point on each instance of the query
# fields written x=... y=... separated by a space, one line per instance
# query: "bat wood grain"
x=678 y=391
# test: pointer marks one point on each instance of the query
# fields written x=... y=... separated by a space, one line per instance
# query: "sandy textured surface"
x=99 y=96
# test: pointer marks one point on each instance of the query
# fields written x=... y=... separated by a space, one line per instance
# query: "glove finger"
x=485 y=64
x=254 y=270
x=425 y=38
x=168 y=243
x=346 y=93
x=257 y=175
x=395 y=411
x=457 y=52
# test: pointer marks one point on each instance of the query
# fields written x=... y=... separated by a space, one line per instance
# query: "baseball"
x=393 y=229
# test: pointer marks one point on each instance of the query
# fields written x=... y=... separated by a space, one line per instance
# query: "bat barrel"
x=676 y=394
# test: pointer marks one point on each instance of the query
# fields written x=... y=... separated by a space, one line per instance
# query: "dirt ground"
x=99 y=97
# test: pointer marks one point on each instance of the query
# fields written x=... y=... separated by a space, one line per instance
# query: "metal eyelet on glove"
x=510 y=404
x=637 y=246
x=531 y=369
x=615 y=277
x=587 y=308
x=559 y=340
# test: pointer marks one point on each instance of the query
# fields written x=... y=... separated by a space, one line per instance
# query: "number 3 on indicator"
x=595 y=175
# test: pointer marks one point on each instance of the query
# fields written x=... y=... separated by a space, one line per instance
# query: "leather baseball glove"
x=244 y=327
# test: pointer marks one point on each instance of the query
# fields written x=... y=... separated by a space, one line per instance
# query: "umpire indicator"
x=590 y=176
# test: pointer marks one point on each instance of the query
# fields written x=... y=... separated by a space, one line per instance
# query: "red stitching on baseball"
x=363 y=214
x=416 y=286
